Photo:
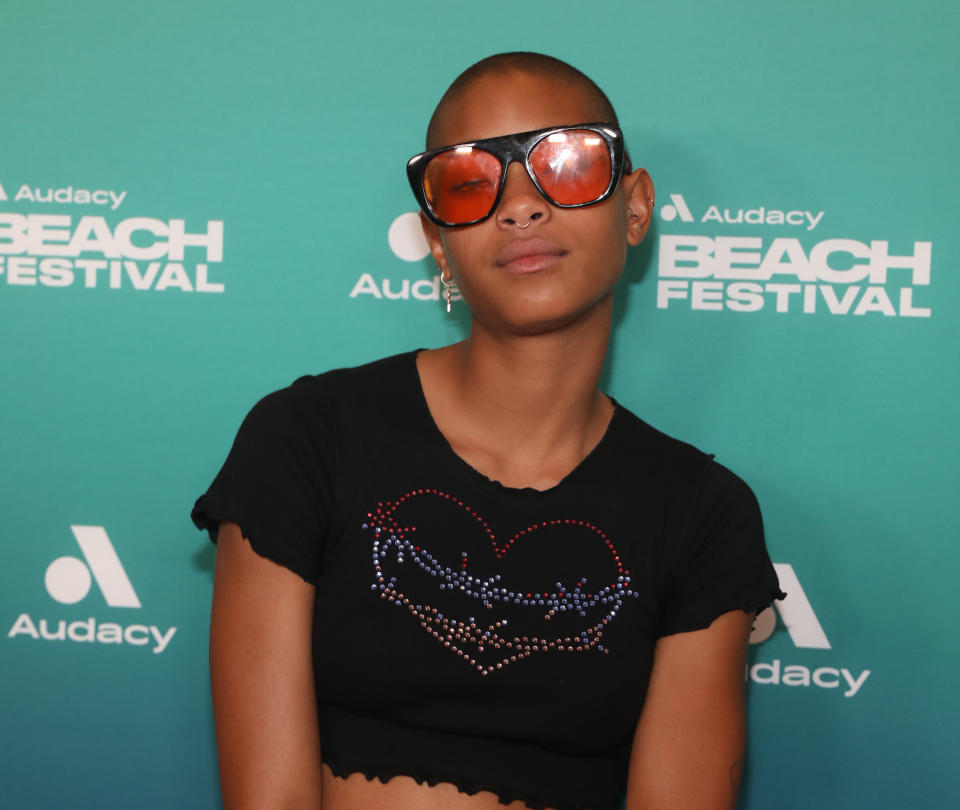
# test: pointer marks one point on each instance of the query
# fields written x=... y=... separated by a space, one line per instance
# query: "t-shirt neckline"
x=595 y=453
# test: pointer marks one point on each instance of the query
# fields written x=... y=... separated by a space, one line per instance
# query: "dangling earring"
x=448 y=287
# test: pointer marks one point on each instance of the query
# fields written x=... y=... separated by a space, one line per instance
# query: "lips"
x=552 y=587
x=528 y=255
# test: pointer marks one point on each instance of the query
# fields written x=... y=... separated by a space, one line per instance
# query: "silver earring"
x=448 y=287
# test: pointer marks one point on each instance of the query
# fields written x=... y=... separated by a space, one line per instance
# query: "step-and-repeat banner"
x=200 y=202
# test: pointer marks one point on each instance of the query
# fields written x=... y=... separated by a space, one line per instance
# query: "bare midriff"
x=356 y=792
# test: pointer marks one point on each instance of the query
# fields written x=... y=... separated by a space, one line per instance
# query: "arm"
x=261 y=673
x=688 y=745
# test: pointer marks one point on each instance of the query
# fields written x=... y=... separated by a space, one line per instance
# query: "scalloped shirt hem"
x=356 y=744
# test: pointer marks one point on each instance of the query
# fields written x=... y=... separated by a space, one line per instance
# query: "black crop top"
x=498 y=639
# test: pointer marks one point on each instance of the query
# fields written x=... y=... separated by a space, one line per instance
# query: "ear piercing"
x=448 y=287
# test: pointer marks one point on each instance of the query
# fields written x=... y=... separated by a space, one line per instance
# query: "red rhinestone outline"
x=451 y=632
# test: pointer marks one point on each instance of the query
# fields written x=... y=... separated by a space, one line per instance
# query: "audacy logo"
x=68 y=581
x=805 y=632
x=748 y=273
x=135 y=252
x=750 y=216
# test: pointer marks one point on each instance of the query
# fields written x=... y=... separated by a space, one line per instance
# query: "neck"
x=516 y=375
x=523 y=409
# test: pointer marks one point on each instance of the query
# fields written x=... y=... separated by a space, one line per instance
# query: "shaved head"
x=536 y=64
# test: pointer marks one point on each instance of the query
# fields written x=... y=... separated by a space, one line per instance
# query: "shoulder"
x=316 y=398
x=662 y=456
x=679 y=470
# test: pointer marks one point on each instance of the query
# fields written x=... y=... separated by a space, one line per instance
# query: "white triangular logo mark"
x=3 y=194
x=105 y=565
x=68 y=579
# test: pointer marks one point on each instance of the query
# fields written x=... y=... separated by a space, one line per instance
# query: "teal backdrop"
x=200 y=202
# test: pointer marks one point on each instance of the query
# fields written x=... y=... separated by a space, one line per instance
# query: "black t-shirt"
x=499 y=639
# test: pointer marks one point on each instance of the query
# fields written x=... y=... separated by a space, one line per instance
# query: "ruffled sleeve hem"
x=702 y=619
x=208 y=515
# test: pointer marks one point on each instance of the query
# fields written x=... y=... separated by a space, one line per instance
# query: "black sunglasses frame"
x=516 y=147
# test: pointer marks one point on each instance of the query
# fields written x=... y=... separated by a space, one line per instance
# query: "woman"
x=466 y=571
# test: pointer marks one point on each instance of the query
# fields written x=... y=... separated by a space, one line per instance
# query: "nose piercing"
x=524 y=227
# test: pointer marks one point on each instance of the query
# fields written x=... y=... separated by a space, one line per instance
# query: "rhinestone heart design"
x=489 y=646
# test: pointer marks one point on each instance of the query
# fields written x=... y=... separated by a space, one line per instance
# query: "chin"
x=543 y=318
x=540 y=310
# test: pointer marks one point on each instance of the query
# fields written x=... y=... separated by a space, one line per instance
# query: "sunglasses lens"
x=573 y=167
x=461 y=184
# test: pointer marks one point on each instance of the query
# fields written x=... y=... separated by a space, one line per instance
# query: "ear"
x=432 y=234
x=639 y=194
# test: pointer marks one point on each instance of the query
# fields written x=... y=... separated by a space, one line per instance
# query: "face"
x=533 y=267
